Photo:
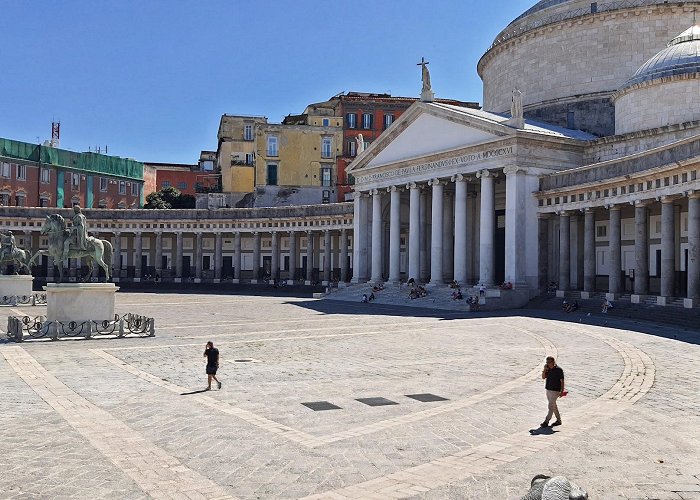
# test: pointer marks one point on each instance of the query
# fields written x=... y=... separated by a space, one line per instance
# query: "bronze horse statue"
x=99 y=251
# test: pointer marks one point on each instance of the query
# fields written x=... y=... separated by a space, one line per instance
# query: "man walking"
x=554 y=385
x=212 y=355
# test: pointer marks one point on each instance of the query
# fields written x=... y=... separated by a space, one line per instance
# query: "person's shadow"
x=542 y=431
x=194 y=392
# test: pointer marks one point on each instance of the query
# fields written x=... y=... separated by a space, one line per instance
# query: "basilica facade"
x=581 y=171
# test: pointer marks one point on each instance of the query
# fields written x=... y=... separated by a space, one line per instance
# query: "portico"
x=456 y=185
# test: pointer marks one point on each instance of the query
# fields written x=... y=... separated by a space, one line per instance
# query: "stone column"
x=178 y=256
x=424 y=267
x=641 y=250
x=138 y=244
x=327 y=260
x=395 y=235
x=117 y=257
x=436 y=233
x=218 y=257
x=376 y=237
x=668 y=250
x=275 y=260
x=414 y=231
x=309 y=257
x=693 y=249
x=460 y=248
x=589 y=253
x=516 y=224
x=237 y=257
x=344 y=256
x=293 y=253
x=159 y=254
x=564 y=251
x=197 y=257
x=487 y=228
x=359 y=238
x=448 y=231
x=256 y=257
x=543 y=253
x=615 y=248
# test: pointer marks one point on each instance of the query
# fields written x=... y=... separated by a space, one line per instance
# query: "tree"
x=169 y=197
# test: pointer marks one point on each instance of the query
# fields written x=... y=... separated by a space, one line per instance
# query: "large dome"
x=680 y=57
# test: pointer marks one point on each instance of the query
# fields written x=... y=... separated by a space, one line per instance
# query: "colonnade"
x=668 y=240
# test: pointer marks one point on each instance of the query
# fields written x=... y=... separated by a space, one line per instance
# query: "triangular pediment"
x=426 y=129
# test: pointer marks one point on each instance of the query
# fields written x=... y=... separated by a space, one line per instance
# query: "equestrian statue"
x=74 y=243
x=10 y=253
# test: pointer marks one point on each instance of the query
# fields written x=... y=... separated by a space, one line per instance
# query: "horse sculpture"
x=20 y=259
x=99 y=251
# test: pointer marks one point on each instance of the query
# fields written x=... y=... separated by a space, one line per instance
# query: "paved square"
x=128 y=418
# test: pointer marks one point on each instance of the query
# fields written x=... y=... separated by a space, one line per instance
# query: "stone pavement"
x=127 y=418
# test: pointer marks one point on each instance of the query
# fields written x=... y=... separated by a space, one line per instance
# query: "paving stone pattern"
x=127 y=418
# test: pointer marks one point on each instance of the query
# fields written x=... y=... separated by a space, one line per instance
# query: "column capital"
x=564 y=213
x=435 y=182
x=514 y=169
x=375 y=192
x=666 y=198
x=543 y=215
x=612 y=206
x=588 y=210
x=393 y=189
x=641 y=203
x=693 y=194
x=412 y=185
x=483 y=174
x=460 y=178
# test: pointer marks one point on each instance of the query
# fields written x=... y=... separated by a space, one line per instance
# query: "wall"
x=673 y=102
x=177 y=179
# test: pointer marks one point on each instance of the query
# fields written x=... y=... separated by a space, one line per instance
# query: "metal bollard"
x=153 y=327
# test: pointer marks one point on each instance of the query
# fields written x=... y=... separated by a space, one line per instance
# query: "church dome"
x=680 y=57
x=664 y=90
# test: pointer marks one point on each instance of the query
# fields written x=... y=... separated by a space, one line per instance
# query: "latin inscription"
x=434 y=165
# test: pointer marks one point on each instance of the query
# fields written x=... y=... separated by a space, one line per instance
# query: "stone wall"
x=587 y=55
x=657 y=105
x=595 y=116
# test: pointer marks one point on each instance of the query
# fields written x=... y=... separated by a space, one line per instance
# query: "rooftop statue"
x=74 y=243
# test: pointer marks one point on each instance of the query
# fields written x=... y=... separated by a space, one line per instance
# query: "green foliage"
x=169 y=197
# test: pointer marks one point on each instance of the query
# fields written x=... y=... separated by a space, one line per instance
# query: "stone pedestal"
x=691 y=303
x=637 y=299
x=663 y=301
x=561 y=293
x=587 y=295
x=612 y=296
x=80 y=301
x=15 y=285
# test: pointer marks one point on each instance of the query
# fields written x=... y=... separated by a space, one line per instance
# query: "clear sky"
x=151 y=78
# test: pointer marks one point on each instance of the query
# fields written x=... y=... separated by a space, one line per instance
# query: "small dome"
x=680 y=57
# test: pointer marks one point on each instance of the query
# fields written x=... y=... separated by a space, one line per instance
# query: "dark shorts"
x=211 y=369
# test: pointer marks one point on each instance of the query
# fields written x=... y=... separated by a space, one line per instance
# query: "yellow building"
x=295 y=158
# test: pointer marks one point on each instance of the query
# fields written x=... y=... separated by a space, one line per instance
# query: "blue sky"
x=151 y=78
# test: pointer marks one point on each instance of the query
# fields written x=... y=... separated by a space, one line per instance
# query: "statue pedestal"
x=80 y=301
x=16 y=285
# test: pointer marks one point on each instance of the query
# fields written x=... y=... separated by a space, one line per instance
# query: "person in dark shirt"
x=554 y=386
x=212 y=355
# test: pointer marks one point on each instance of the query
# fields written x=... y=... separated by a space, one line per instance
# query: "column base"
x=324 y=282
x=612 y=296
x=235 y=281
x=637 y=299
x=271 y=282
x=691 y=303
x=198 y=280
x=434 y=284
x=253 y=282
x=290 y=282
x=561 y=293
x=307 y=282
x=587 y=295
x=217 y=280
x=342 y=284
x=137 y=280
x=663 y=301
x=114 y=279
x=178 y=280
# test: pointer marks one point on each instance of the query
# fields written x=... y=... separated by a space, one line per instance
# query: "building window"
x=351 y=119
x=601 y=231
x=367 y=120
x=134 y=189
x=4 y=199
x=388 y=120
x=352 y=147
x=271 y=174
x=21 y=200
x=5 y=170
x=182 y=185
x=249 y=158
x=43 y=202
x=326 y=147
x=272 y=145
x=75 y=182
x=326 y=122
x=21 y=173
x=45 y=175
x=165 y=184
x=248 y=133
x=325 y=176
x=122 y=187
x=102 y=204
x=103 y=184
x=326 y=196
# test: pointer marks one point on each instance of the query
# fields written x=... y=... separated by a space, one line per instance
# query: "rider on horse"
x=8 y=245
x=78 y=233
